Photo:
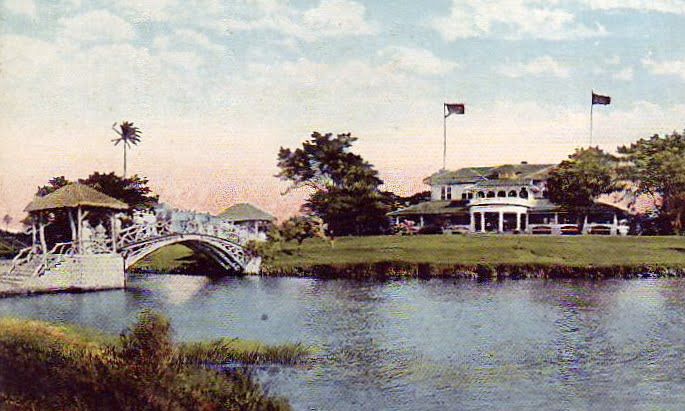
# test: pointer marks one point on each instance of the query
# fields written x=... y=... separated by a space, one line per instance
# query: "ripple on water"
x=431 y=344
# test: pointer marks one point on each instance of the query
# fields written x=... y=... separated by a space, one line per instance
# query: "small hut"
x=249 y=217
x=77 y=200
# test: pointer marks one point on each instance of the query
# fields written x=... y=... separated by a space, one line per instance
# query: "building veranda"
x=509 y=198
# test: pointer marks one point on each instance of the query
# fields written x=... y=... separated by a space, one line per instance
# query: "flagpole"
x=591 y=107
x=444 y=136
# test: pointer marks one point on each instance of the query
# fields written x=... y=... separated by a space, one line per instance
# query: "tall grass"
x=46 y=367
x=229 y=350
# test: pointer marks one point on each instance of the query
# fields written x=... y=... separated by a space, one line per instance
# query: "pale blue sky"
x=218 y=86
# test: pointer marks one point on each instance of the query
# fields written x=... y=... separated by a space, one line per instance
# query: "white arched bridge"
x=223 y=243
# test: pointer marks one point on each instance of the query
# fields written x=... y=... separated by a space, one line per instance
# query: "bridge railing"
x=147 y=231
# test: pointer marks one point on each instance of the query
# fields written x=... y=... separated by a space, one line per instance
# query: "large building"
x=510 y=198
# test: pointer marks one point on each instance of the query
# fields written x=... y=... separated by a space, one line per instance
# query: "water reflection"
x=426 y=344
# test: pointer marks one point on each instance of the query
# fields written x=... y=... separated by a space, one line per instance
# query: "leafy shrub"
x=57 y=368
x=430 y=229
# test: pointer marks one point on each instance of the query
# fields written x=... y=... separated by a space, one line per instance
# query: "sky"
x=216 y=87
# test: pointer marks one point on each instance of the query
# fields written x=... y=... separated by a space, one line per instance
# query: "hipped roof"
x=245 y=212
x=75 y=195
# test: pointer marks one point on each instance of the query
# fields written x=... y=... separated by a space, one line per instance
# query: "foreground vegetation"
x=47 y=366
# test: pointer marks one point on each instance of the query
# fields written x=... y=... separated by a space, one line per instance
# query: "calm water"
x=426 y=344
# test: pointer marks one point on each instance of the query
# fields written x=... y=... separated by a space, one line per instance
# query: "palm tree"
x=129 y=134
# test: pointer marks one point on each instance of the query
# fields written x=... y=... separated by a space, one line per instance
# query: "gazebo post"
x=43 y=242
x=33 y=233
x=79 y=229
x=72 y=224
x=112 y=220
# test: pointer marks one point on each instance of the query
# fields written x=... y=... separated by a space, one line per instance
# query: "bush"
x=431 y=229
x=56 y=368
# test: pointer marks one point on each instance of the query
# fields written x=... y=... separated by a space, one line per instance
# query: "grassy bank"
x=48 y=366
x=478 y=256
x=463 y=256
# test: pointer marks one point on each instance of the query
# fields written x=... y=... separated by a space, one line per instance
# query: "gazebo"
x=247 y=216
x=77 y=200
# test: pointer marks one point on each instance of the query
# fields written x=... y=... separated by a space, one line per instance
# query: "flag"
x=597 y=99
x=454 y=109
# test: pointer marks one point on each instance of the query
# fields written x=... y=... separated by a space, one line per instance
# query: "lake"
x=424 y=344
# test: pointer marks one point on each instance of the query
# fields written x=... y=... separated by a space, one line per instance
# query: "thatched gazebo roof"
x=75 y=195
x=245 y=212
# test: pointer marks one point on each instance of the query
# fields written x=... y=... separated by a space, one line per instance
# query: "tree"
x=578 y=181
x=7 y=219
x=297 y=228
x=129 y=135
x=133 y=191
x=344 y=188
x=657 y=167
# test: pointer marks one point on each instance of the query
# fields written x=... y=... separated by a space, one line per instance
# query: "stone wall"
x=81 y=272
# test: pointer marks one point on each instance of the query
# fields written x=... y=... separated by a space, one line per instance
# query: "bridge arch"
x=229 y=255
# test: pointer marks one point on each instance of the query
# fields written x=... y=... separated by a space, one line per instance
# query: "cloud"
x=661 y=6
x=338 y=17
x=545 y=65
x=613 y=60
x=511 y=19
x=187 y=38
x=626 y=74
x=665 y=68
x=21 y=7
x=414 y=60
x=147 y=10
x=96 y=26
x=331 y=18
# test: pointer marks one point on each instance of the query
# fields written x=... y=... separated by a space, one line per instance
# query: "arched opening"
x=481 y=194
x=512 y=193
x=491 y=194
x=501 y=193
x=523 y=193
x=183 y=256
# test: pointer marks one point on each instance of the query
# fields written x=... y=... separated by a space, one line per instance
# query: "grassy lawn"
x=455 y=252
x=474 y=249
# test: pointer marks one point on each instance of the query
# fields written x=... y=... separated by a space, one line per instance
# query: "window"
x=445 y=193
x=491 y=194
x=501 y=193
x=481 y=194
x=523 y=193
x=470 y=196
x=463 y=196
x=512 y=193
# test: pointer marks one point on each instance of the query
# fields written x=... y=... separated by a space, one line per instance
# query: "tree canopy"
x=344 y=188
x=657 y=166
x=578 y=181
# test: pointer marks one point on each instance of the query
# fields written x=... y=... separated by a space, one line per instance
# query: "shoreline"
x=388 y=270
